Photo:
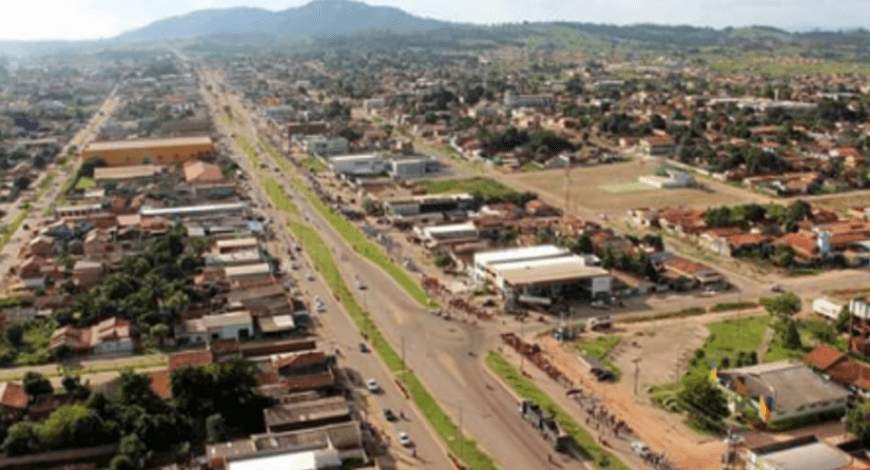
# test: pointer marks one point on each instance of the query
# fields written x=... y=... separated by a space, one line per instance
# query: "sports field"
x=612 y=189
x=627 y=188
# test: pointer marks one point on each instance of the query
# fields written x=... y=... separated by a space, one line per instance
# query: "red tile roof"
x=823 y=356
x=300 y=359
x=850 y=373
x=199 y=358
x=161 y=384
x=12 y=395
x=803 y=243
x=748 y=239
x=684 y=266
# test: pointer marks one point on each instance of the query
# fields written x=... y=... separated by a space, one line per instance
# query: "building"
x=545 y=271
x=449 y=234
x=110 y=336
x=319 y=448
x=793 y=390
x=199 y=172
x=285 y=417
x=13 y=400
x=231 y=245
x=157 y=151
x=248 y=273
x=675 y=179
x=232 y=325
x=198 y=211
x=326 y=147
x=133 y=174
x=429 y=204
x=306 y=128
x=512 y=100
x=485 y=262
x=406 y=168
x=827 y=307
x=358 y=165
x=803 y=453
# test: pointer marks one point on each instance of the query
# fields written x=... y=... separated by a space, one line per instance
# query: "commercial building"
x=786 y=389
x=198 y=211
x=157 y=151
x=127 y=174
x=404 y=168
x=512 y=100
x=544 y=271
x=803 y=453
x=233 y=325
x=429 y=203
x=449 y=234
x=358 y=165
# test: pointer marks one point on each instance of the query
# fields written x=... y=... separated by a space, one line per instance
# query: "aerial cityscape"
x=341 y=235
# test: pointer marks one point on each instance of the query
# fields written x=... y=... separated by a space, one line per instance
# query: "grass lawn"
x=314 y=164
x=487 y=188
x=627 y=188
x=525 y=388
x=85 y=183
x=729 y=337
x=599 y=347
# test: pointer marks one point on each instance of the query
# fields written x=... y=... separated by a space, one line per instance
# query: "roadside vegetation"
x=525 y=388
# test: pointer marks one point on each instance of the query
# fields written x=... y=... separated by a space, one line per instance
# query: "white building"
x=544 y=271
x=827 y=307
x=358 y=165
x=233 y=325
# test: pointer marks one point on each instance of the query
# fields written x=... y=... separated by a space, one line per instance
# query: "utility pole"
x=636 y=373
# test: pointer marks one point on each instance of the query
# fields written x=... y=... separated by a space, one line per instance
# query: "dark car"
x=605 y=376
x=390 y=416
x=363 y=348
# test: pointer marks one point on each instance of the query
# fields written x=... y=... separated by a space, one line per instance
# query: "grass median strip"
x=462 y=447
x=357 y=239
x=10 y=229
x=585 y=443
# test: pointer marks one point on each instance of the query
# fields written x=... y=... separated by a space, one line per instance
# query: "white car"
x=360 y=285
x=320 y=306
x=405 y=439
x=310 y=276
x=373 y=386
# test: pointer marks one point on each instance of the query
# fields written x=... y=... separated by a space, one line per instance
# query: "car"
x=360 y=285
x=640 y=448
x=363 y=348
x=310 y=276
x=373 y=386
x=776 y=288
x=605 y=376
x=405 y=439
x=390 y=416
x=320 y=306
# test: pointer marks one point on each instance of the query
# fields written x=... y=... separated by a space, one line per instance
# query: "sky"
x=92 y=19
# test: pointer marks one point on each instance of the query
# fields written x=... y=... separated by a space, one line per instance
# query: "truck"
x=601 y=322
x=544 y=423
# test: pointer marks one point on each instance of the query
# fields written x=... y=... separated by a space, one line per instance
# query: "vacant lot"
x=614 y=189
x=487 y=188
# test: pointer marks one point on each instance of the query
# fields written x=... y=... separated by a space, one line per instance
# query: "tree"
x=160 y=332
x=785 y=304
x=783 y=256
x=215 y=428
x=583 y=244
x=122 y=462
x=702 y=398
x=74 y=387
x=73 y=426
x=62 y=352
x=791 y=337
x=87 y=168
x=858 y=421
x=14 y=334
x=36 y=385
x=132 y=446
x=22 y=182
x=843 y=319
x=21 y=439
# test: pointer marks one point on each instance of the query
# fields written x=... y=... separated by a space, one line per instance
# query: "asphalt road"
x=340 y=333
x=9 y=255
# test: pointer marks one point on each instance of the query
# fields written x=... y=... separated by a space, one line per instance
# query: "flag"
x=765 y=408
x=713 y=371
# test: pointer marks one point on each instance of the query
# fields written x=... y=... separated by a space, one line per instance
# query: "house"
x=802 y=453
x=13 y=400
x=87 y=273
x=197 y=172
x=110 y=336
x=804 y=244
x=658 y=145
x=788 y=389
x=232 y=325
x=41 y=245
x=304 y=414
x=695 y=272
